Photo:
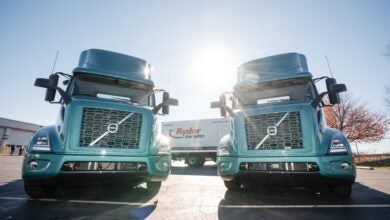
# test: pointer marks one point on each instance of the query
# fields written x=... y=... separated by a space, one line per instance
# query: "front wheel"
x=35 y=192
x=342 y=191
x=235 y=186
x=153 y=187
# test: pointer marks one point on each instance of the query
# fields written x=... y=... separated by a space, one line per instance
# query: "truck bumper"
x=279 y=171
x=49 y=170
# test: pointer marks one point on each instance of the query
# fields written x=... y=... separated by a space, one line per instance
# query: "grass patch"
x=381 y=168
x=377 y=161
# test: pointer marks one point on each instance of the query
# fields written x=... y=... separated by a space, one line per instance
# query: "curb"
x=364 y=168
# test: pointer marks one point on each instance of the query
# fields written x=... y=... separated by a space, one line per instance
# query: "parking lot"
x=195 y=193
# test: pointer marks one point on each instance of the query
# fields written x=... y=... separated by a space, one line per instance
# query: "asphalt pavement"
x=195 y=193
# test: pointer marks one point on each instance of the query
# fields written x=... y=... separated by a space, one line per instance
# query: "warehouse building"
x=15 y=135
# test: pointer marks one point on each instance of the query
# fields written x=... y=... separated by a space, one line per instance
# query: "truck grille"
x=106 y=128
x=264 y=129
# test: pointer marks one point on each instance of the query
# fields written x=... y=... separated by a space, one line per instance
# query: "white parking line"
x=220 y=206
x=374 y=177
x=82 y=201
x=303 y=206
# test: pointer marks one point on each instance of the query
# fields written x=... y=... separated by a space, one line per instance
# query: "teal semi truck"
x=279 y=134
x=106 y=132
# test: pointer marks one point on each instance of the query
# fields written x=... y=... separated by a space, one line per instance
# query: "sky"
x=195 y=47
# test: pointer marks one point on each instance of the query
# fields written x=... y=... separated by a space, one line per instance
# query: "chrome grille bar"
x=274 y=131
x=110 y=128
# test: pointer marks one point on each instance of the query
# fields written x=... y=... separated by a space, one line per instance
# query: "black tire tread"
x=235 y=186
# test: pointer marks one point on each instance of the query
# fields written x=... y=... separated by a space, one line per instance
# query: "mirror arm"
x=69 y=76
x=64 y=95
x=317 y=101
x=230 y=111
x=157 y=108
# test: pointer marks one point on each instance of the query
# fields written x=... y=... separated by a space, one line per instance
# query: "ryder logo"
x=185 y=133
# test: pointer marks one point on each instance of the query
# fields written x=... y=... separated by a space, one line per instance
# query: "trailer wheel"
x=201 y=162
x=193 y=161
x=235 y=186
x=342 y=191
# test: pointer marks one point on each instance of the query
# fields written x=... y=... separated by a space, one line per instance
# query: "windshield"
x=298 y=90
x=111 y=88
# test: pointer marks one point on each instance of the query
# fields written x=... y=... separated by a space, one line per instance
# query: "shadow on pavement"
x=279 y=203
x=206 y=170
x=78 y=203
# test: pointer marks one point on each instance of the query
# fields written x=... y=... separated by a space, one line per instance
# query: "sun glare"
x=214 y=67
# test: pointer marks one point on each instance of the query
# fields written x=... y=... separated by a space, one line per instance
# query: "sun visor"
x=111 y=64
x=278 y=67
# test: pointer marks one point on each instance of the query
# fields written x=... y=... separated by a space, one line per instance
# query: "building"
x=15 y=135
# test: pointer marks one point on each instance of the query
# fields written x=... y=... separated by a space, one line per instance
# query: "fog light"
x=312 y=167
x=224 y=166
x=33 y=165
x=345 y=166
x=141 y=166
x=163 y=165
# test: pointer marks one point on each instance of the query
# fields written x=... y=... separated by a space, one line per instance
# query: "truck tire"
x=235 y=186
x=153 y=187
x=35 y=192
x=201 y=162
x=342 y=191
x=193 y=161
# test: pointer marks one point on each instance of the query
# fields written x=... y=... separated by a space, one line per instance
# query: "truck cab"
x=106 y=132
x=279 y=135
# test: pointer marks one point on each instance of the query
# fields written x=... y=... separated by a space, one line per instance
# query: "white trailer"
x=195 y=140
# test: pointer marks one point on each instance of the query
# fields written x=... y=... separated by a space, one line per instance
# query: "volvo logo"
x=272 y=130
x=112 y=128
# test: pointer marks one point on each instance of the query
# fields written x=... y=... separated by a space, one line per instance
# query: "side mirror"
x=172 y=102
x=215 y=105
x=165 y=106
x=167 y=101
x=337 y=88
x=50 y=85
x=43 y=83
x=222 y=104
x=333 y=90
x=221 y=107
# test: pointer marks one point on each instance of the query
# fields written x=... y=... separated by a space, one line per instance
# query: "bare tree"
x=356 y=120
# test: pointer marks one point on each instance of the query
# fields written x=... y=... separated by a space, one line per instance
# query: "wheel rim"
x=192 y=160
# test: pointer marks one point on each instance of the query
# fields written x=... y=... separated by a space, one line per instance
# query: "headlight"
x=41 y=143
x=338 y=145
x=163 y=145
x=223 y=150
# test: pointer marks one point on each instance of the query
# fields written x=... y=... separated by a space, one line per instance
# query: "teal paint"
x=262 y=152
x=54 y=147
